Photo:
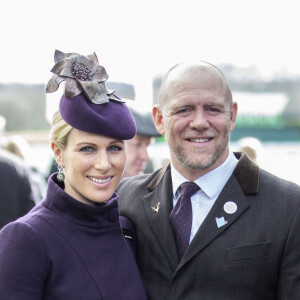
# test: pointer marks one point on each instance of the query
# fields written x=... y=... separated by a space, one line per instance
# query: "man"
x=244 y=240
x=137 y=148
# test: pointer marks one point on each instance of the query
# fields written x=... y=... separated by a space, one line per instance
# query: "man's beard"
x=190 y=160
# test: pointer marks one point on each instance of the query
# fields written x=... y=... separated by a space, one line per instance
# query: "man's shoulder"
x=138 y=181
x=132 y=189
x=278 y=184
x=255 y=180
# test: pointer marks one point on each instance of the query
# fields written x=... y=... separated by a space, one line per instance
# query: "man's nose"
x=199 y=120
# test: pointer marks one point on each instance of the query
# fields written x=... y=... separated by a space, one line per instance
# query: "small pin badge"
x=230 y=207
x=221 y=222
x=156 y=207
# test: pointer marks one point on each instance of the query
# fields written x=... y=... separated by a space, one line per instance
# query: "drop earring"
x=60 y=175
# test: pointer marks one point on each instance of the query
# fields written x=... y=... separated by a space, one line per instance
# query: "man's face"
x=137 y=155
x=196 y=119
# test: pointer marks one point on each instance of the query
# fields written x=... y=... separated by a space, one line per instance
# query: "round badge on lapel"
x=230 y=207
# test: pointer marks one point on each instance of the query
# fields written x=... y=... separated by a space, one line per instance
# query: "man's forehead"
x=203 y=76
x=202 y=80
x=193 y=69
x=192 y=91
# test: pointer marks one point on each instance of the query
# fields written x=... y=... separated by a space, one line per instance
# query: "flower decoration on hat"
x=81 y=74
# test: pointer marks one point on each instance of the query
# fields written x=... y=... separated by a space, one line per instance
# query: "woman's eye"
x=115 y=148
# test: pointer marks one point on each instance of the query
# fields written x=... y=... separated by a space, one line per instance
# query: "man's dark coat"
x=255 y=256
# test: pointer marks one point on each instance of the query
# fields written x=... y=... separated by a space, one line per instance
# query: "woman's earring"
x=60 y=175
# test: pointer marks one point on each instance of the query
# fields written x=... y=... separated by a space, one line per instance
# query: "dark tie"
x=182 y=215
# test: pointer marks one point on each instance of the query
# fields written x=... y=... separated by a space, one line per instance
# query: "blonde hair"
x=60 y=130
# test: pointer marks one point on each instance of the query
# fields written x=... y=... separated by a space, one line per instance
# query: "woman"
x=74 y=244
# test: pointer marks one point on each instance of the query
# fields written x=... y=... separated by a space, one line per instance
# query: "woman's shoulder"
x=17 y=232
x=27 y=226
x=23 y=259
x=24 y=228
x=21 y=241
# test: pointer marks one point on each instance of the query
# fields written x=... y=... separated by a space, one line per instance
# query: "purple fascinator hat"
x=87 y=104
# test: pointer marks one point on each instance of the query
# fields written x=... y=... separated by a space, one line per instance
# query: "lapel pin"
x=221 y=222
x=230 y=207
x=156 y=207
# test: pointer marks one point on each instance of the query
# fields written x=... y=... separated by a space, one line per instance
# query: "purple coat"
x=65 y=249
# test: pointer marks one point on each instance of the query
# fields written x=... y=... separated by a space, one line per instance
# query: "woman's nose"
x=102 y=162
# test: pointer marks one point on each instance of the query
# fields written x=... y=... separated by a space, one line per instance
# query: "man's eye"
x=213 y=109
x=184 y=110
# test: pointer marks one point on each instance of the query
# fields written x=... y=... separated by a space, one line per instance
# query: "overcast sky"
x=136 y=40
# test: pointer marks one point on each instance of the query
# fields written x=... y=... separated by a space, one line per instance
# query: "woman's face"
x=93 y=165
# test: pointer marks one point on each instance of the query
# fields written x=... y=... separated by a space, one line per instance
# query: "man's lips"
x=199 y=140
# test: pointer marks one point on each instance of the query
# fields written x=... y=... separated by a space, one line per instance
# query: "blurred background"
x=255 y=43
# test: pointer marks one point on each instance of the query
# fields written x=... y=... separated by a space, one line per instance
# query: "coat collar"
x=246 y=173
x=93 y=216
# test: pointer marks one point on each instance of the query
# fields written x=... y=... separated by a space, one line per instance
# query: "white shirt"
x=211 y=185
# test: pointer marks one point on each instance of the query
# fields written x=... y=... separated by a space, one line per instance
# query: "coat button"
x=113 y=215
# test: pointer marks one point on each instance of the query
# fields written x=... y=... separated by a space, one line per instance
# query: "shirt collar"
x=211 y=183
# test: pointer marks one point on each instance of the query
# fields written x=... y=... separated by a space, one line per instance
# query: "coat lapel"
x=244 y=181
x=158 y=206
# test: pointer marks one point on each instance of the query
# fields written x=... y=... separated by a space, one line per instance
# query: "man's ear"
x=158 y=119
x=57 y=153
x=233 y=114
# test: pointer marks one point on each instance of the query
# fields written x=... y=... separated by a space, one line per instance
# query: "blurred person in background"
x=137 y=148
x=3 y=140
x=17 y=145
x=52 y=168
x=251 y=146
x=17 y=195
x=74 y=244
x=212 y=224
